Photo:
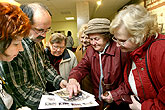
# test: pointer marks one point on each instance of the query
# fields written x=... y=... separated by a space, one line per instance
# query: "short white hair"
x=138 y=22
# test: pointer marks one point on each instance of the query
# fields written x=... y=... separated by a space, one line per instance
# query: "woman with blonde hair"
x=136 y=33
x=14 y=25
x=84 y=42
x=86 y=83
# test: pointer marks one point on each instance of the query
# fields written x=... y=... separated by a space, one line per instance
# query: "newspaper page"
x=60 y=99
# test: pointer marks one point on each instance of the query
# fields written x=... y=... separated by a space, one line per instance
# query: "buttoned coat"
x=112 y=63
x=149 y=99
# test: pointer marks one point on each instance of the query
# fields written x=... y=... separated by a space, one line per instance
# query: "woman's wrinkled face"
x=123 y=39
x=13 y=50
x=98 y=42
x=85 y=41
x=57 y=49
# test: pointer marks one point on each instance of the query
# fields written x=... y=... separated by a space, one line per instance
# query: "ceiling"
x=66 y=8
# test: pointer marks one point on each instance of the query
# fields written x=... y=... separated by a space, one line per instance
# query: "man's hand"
x=135 y=105
x=73 y=87
x=24 y=108
x=63 y=84
x=107 y=97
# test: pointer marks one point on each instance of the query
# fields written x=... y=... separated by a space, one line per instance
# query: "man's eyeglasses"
x=122 y=43
x=41 y=31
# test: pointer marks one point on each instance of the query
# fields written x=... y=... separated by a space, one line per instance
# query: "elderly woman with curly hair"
x=136 y=33
x=86 y=83
x=14 y=25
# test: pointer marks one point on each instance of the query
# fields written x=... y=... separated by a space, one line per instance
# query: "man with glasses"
x=29 y=72
x=62 y=59
x=39 y=32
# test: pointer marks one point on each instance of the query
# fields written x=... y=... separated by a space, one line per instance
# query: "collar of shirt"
x=29 y=41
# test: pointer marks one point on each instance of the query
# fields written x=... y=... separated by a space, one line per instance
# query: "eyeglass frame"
x=58 y=47
x=41 y=31
x=122 y=43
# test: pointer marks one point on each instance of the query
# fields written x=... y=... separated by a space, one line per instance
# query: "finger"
x=110 y=95
x=65 y=84
x=62 y=86
x=133 y=98
x=79 y=89
x=104 y=97
x=130 y=106
x=70 y=93
x=107 y=98
x=70 y=90
x=75 y=90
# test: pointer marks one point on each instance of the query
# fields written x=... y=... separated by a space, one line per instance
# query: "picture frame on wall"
x=149 y=2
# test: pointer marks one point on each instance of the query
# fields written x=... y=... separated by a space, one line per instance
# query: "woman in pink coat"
x=136 y=32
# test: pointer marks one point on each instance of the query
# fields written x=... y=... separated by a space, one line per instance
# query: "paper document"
x=60 y=99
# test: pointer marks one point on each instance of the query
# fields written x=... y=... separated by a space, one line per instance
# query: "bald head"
x=40 y=19
x=35 y=9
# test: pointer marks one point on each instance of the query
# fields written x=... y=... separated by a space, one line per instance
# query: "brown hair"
x=13 y=23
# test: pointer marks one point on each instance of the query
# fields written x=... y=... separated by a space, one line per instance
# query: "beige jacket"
x=68 y=62
x=79 y=52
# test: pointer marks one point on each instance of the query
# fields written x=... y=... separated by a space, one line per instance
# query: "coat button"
x=140 y=59
x=142 y=69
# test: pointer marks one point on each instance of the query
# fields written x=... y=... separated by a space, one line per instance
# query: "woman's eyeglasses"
x=122 y=43
x=58 y=47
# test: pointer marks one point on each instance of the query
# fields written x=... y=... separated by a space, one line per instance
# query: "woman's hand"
x=107 y=97
x=135 y=105
x=73 y=87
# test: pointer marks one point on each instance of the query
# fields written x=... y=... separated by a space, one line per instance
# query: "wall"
x=65 y=26
x=157 y=8
x=11 y=2
x=129 y=3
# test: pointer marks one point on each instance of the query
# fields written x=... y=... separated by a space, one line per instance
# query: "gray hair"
x=138 y=22
x=57 y=38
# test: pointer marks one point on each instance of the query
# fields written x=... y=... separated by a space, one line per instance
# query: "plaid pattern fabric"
x=28 y=73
